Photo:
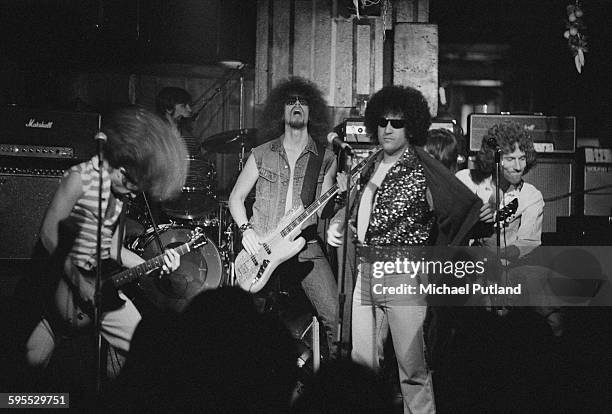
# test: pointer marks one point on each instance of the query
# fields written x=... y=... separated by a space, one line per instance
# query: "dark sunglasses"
x=395 y=123
x=292 y=100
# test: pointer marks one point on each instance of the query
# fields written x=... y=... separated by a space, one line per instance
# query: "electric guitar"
x=504 y=214
x=77 y=312
x=253 y=271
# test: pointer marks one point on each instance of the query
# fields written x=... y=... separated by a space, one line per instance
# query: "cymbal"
x=231 y=141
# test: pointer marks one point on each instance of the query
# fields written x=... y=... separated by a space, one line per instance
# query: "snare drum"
x=201 y=269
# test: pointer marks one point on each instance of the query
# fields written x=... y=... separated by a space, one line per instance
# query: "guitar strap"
x=121 y=231
x=309 y=186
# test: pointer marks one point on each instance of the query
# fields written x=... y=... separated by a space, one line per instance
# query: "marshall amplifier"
x=550 y=134
x=41 y=133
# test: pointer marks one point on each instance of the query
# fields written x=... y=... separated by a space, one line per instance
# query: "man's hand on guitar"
x=250 y=241
x=172 y=261
x=335 y=234
x=486 y=213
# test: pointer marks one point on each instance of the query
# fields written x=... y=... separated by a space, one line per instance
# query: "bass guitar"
x=253 y=271
x=77 y=312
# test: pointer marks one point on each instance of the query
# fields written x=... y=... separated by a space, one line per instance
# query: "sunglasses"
x=395 y=123
x=292 y=100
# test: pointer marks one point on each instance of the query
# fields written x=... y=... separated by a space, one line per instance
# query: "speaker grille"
x=23 y=202
x=554 y=178
x=598 y=203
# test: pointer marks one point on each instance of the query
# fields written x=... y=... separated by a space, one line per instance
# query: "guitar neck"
x=323 y=199
x=135 y=272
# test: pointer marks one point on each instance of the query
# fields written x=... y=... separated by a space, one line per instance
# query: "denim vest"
x=273 y=182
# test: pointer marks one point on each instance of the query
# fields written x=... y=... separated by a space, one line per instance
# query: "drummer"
x=174 y=105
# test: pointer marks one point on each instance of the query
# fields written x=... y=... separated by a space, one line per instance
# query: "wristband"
x=246 y=226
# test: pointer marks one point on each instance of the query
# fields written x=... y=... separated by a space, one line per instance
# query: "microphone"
x=101 y=136
x=333 y=139
x=492 y=142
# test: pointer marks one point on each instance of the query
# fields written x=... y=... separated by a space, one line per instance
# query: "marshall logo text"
x=32 y=123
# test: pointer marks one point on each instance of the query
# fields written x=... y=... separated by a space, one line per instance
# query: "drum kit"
x=198 y=205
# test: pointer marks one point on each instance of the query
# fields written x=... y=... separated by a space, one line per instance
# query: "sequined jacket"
x=455 y=208
x=401 y=214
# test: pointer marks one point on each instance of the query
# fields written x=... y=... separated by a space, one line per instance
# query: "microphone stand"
x=342 y=264
x=497 y=224
x=153 y=223
x=100 y=138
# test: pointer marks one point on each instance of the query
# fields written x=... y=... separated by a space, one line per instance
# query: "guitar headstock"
x=508 y=211
x=197 y=238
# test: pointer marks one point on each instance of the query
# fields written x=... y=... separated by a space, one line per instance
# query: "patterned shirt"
x=85 y=214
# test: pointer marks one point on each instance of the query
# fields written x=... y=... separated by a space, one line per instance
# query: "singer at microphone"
x=335 y=140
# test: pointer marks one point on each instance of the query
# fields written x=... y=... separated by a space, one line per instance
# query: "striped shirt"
x=85 y=213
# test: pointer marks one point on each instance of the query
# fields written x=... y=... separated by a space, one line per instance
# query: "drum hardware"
x=230 y=253
x=233 y=66
x=154 y=225
x=197 y=196
x=193 y=145
x=241 y=140
x=231 y=142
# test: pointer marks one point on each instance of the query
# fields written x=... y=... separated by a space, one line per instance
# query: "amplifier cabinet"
x=23 y=202
x=550 y=133
x=597 y=181
x=39 y=132
x=594 y=176
x=555 y=179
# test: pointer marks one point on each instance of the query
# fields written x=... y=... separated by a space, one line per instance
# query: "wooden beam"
x=261 y=51
x=416 y=60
